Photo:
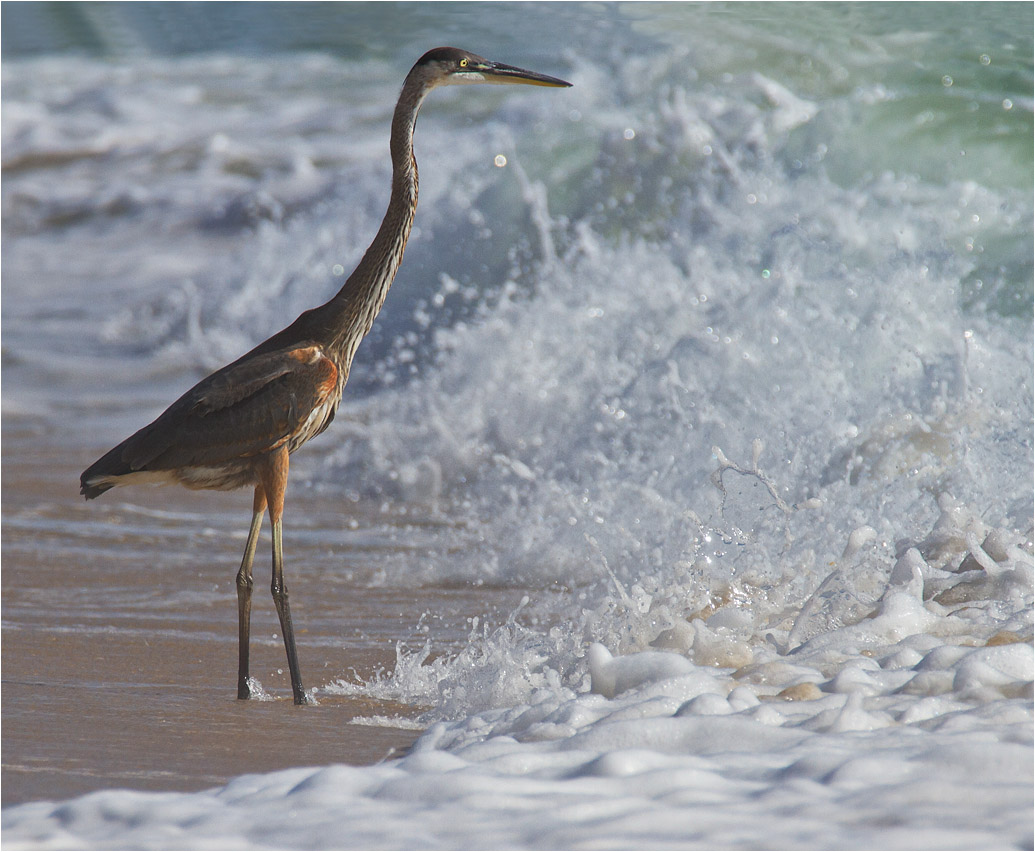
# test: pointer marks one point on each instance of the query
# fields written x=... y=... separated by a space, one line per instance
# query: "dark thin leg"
x=280 y=598
x=244 y=594
x=274 y=480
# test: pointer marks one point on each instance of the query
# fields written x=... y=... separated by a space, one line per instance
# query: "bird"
x=239 y=426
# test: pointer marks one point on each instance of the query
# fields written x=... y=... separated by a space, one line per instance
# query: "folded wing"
x=249 y=407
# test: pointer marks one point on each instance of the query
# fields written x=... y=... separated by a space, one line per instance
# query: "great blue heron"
x=239 y=426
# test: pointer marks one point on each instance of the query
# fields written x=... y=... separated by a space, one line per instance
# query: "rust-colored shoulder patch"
x=326 y=378
x=306 y=354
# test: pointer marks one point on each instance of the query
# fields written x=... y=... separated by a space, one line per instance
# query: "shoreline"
x=119 y=645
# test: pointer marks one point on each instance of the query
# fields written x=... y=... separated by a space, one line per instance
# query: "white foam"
x=644 y=768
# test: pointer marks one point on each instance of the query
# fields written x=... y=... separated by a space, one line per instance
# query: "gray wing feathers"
x=243 y=409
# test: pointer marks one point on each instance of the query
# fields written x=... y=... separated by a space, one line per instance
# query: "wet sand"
x=120 y=632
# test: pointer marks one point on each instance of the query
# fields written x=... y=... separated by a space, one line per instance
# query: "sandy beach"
x=120 y=643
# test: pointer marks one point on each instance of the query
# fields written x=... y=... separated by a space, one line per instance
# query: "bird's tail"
x=103 y=474
x=91 y=488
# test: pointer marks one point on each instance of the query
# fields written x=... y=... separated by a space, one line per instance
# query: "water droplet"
x=500 y=161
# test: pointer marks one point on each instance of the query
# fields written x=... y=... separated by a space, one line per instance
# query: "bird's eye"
x=463 y=63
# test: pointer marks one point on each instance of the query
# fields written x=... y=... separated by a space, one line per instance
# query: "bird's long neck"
x=342 y=322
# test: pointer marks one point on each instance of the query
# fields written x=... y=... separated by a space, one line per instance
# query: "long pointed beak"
x=497 y=72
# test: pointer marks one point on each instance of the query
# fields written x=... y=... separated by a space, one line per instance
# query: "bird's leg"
x=244 y=593
x=280 y=598
x=273 y=475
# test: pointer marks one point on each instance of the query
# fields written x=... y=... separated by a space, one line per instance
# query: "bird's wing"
x=246 y=408
x=243 y=379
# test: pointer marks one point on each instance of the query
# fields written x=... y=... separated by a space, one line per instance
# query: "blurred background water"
x=660 y=342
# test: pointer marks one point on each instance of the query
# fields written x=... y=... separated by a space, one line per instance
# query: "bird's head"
x=445 y=66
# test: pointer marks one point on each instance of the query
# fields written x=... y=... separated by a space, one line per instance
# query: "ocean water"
x=716 y=368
